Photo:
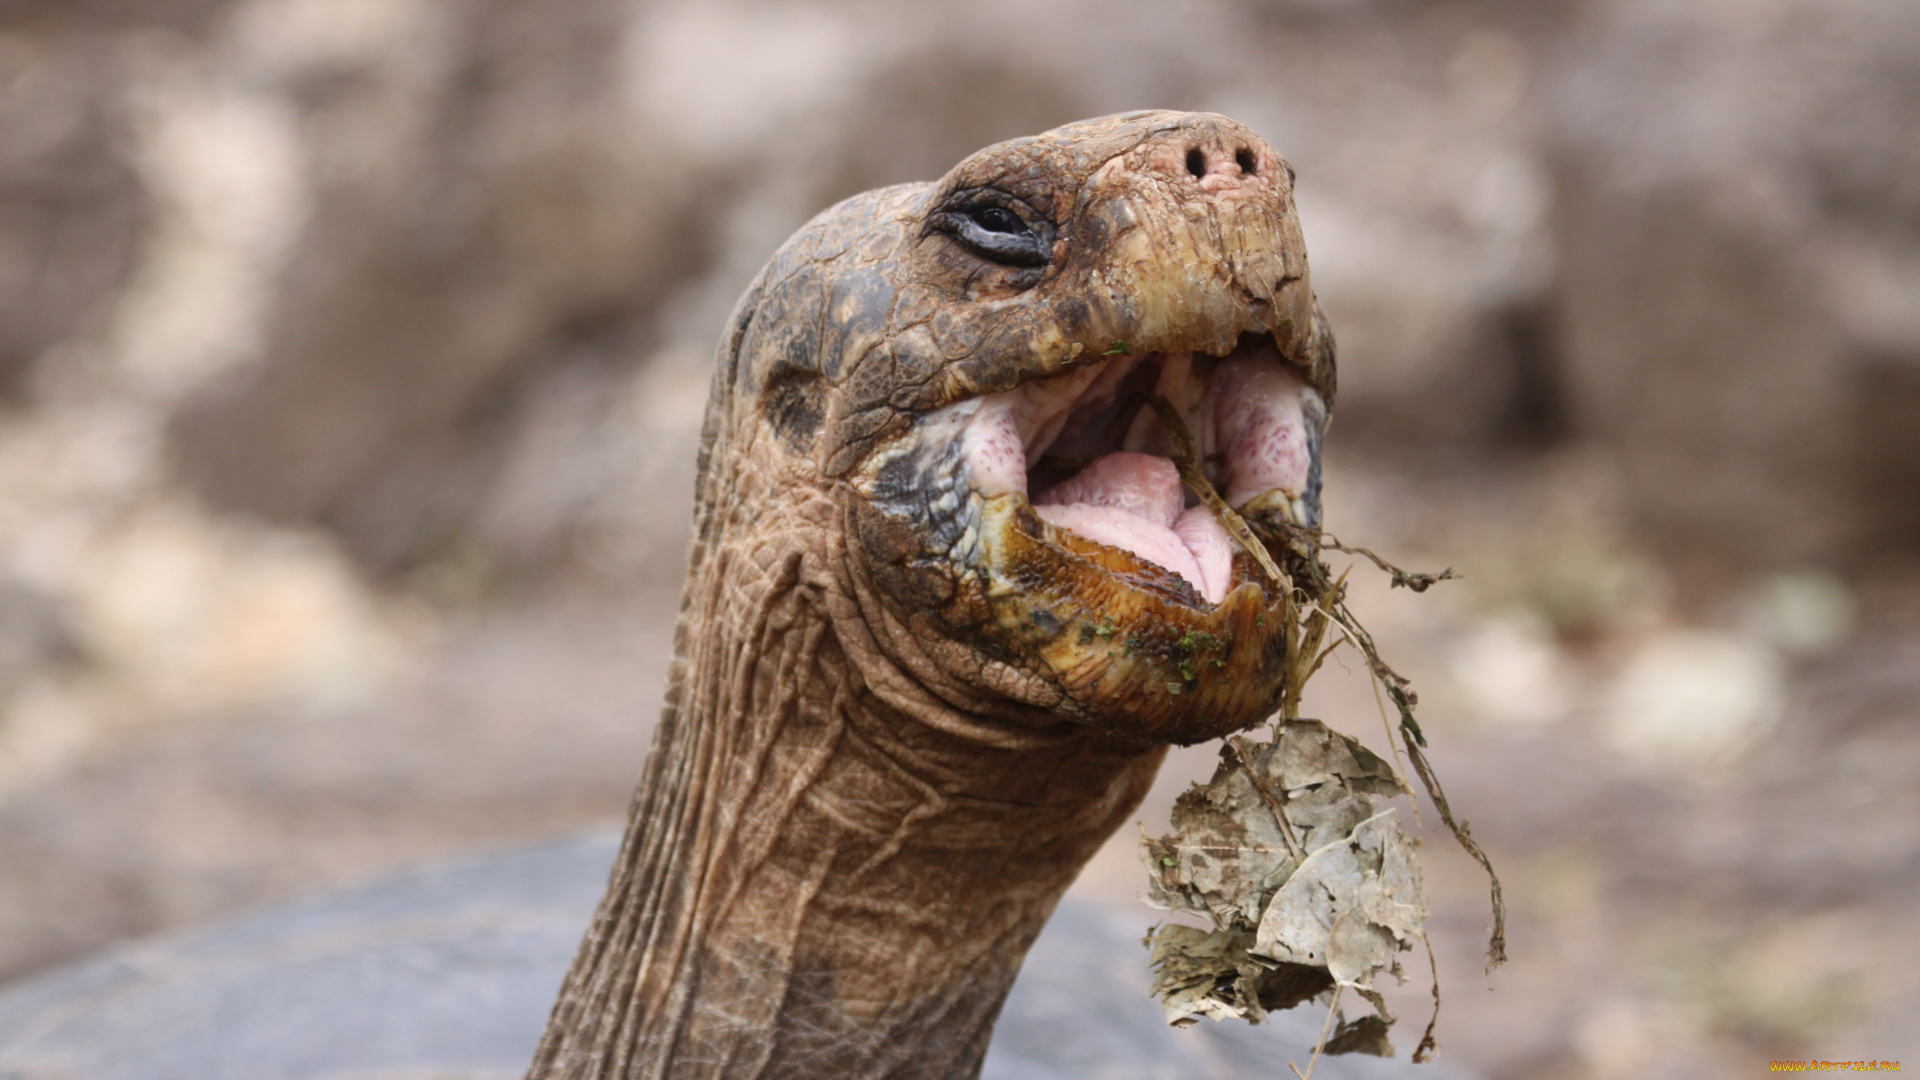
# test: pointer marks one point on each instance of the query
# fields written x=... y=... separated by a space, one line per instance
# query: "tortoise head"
x=966 y=368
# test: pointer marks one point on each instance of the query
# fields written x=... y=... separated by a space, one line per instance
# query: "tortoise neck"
x=815 y=882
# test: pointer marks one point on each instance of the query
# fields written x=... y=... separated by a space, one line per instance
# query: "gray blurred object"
x=448 y=972
x=486 y=225
x=1737 y=191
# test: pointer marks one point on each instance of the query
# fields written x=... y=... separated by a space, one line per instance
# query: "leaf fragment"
x=1305 y=884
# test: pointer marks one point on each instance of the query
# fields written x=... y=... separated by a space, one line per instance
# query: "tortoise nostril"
x=1196 y=162
x=1244 y=158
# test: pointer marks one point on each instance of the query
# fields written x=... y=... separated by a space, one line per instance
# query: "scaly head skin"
x=945 y=606
x=1154 y=234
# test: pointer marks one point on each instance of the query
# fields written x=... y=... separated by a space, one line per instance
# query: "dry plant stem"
x=1416 y=582
x=1305 y=645
x=1428 y=1044
x=1328 y=542
x=1463 y=832
x=1186 y=459
x=1326 y=1030
x=1275 y=804
x=1386 y=725
x=1326 y=652
x=1404 y=700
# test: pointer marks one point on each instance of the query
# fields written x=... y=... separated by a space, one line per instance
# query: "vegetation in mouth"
x=1147 y=533
x=1307 y=888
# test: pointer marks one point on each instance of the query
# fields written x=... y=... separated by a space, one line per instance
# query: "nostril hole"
x=1196 y=162
x=1244 y=158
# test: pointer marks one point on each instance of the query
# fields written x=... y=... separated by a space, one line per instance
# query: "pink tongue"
x=1144 y=486
x=1133 y=502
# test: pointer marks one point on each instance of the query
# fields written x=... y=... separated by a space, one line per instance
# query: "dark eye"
x=998 y=234
x=998 y=219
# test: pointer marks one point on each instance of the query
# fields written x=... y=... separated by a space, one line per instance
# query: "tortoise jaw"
x=1104 y=581
x=1132 y=650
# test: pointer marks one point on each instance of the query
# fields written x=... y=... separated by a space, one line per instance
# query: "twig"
x=1328 y=651
x=1303 y=648
x=1428 y=1044
x=1401 y=578
x=1393 y=744
x=1273 y=804
x=1463 y=832
x=1416 y=582
x=1186 y=459
x=1401 y=692
x=1326 y=1030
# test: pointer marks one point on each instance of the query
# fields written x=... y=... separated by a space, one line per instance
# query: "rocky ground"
x=351 y=356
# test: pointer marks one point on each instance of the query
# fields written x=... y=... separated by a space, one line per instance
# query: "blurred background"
x=352 y=355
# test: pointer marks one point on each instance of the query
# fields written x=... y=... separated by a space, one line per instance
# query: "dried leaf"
x=1304 y=882
x=1367 y=1035
x=1350 y=907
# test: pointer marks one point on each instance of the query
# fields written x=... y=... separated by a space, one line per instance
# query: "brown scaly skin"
x=886 y=753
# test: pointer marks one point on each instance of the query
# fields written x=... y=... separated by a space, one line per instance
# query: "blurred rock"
x=1801 y=612
x=1805 y=975
x=35 y=634
x=1692 y=701
x=217 y=618
x=72 y=209
x=483 y=212
x=1738 y=232
x=1514 y=671
x=175 y=616
x=449 y=971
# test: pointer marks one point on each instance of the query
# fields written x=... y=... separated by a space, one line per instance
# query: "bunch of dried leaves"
x=1307 y=886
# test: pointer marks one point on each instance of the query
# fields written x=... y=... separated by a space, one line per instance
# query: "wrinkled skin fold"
x=944 y=609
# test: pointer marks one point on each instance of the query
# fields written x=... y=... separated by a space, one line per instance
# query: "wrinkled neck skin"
x=784 y=904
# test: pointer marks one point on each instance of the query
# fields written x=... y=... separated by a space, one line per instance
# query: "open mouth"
x=1096 y=462
x=1054 y=526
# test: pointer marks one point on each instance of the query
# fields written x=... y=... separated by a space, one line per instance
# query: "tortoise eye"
x=998 y=233
x=998 y=219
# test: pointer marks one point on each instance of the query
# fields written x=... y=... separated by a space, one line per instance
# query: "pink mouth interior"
x=1134 y=502
x=1247 y=414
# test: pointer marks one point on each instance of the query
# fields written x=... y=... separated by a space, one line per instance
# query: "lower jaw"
x=1133 y=657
